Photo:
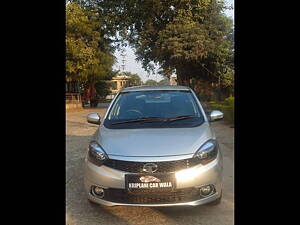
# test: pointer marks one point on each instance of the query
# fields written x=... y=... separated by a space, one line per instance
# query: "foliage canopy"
x=192 y=38
x=88 y=56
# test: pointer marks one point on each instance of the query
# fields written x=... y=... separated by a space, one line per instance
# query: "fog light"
x=98 y=191
x=206 y=190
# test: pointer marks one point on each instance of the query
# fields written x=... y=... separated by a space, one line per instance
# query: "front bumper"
x=192 y=203
x=194 y=177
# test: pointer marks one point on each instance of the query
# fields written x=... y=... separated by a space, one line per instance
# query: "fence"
x=73 y=100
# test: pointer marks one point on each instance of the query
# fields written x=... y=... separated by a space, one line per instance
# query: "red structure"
x=89 y=96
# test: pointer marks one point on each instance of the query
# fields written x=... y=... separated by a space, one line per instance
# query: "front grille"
x=163 y=167
x=150 y=197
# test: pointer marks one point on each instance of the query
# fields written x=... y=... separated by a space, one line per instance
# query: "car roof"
x=156 y=88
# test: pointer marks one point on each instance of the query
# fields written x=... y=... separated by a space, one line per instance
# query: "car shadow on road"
x=181 y=211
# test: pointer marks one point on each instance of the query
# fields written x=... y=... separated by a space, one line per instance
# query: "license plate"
x=150 y=181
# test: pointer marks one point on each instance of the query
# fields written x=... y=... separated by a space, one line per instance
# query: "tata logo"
x=150 y=168
x=148 y=179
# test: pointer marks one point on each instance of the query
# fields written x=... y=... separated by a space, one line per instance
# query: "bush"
x=103 y=89
x=229 y=110
x=229 y=101
x=203 y=97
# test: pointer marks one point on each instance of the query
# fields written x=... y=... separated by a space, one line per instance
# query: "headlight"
x=96 y=154
x=207 y=152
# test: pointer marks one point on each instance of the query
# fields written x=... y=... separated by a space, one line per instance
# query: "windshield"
x=150 y=109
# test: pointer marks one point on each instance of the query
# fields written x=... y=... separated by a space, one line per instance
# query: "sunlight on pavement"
x=69 y=221
x=134 y=215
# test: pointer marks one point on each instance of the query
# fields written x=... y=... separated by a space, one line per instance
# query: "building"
x=121 y=82
x=118 y=82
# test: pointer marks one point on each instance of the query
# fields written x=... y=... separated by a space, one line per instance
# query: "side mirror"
x=216 y=115
x=94 y=118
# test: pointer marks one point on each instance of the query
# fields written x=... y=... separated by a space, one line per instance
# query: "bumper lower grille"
x=163 y=167
x=144 y=197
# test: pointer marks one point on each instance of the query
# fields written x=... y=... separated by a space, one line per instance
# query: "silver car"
x=154 y=147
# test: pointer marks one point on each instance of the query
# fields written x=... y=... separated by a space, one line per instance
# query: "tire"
x=217 y=201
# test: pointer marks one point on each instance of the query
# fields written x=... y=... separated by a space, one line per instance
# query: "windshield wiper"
x=143 y=119
x=153 y=119
x=181 y=117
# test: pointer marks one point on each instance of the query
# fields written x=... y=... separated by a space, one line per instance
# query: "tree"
x=193 y=39
x=102 y=89
x=134 y=79
x=150 y=82
x=103 y=86
x=89 y=56
x=80 y=55
x=187 y=37
x=164 y=81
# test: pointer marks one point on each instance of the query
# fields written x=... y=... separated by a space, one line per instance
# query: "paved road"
x=80 y=212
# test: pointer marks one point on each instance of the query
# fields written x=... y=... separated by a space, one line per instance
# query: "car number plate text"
x=149 y=181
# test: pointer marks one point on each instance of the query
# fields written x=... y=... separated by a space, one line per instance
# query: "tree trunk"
x=93 y=95
x=183 y=79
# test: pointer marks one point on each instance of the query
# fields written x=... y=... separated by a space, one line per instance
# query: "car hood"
x=152 y=142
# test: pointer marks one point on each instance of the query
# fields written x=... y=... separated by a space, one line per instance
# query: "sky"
x=131 y=65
